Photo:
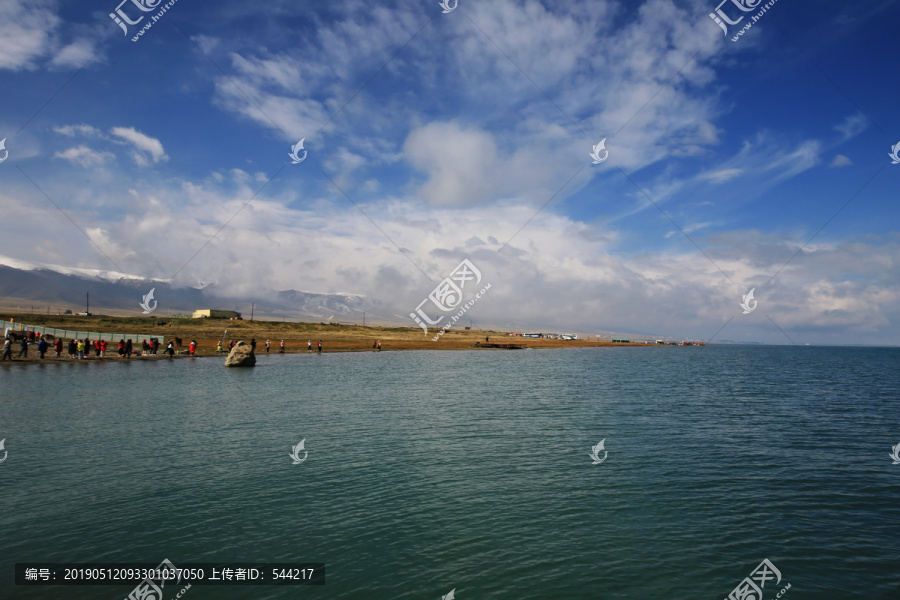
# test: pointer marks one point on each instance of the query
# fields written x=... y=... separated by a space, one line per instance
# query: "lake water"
x=433 y=471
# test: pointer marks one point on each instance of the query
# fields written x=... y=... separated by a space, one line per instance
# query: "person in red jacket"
x=102 y=348
x=193 y=347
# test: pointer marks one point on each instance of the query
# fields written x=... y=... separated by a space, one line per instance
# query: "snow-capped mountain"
x=59 y=286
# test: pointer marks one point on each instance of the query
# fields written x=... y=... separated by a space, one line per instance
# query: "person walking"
x=309 y=346
x=42 y=347
x=73 y=348
x=7 y=349
x=219 y=347
x=57 y=345
x=379 y=345
x=281 y=347
x=129 y=348
x=193 y=347
x=268 y=343
x=24 y=347
x=80 y=347
x=170 y=349
x=320 y=345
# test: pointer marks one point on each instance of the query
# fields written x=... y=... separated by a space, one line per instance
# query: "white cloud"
x=466 y=165
x=144 y=145
x=73 y=130
x=84 y=156
x=280 y=71
x=602 y=89
x=852 y=126
x=722 y=175
x=26 y=32
x=295 y=117
x=206 y=43
x=829 y=289
x=766 y=154
x=33 y=35
x=688 y=229
x=76 y=54
x=840 y=161
x=791 y=163
x=462 y=165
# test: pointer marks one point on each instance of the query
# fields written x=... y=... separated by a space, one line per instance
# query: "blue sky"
x=451 y=131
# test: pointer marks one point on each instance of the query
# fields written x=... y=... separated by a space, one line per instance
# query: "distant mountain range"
x=43 y=285
x=66 y=287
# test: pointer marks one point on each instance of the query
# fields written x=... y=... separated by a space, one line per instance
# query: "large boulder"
x=241 y=356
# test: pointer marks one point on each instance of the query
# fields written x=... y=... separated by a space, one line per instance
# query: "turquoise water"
x=429 y=471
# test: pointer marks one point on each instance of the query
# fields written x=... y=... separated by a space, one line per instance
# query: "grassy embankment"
x=335 y=337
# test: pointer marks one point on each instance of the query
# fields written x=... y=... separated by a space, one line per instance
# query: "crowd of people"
x=80 y=349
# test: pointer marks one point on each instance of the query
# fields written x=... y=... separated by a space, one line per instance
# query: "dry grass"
x=335 y=337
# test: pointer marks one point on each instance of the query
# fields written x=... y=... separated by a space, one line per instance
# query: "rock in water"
x=241 y=356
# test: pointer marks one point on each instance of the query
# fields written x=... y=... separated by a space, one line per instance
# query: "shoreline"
x=335 y=337
x=50 y=357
